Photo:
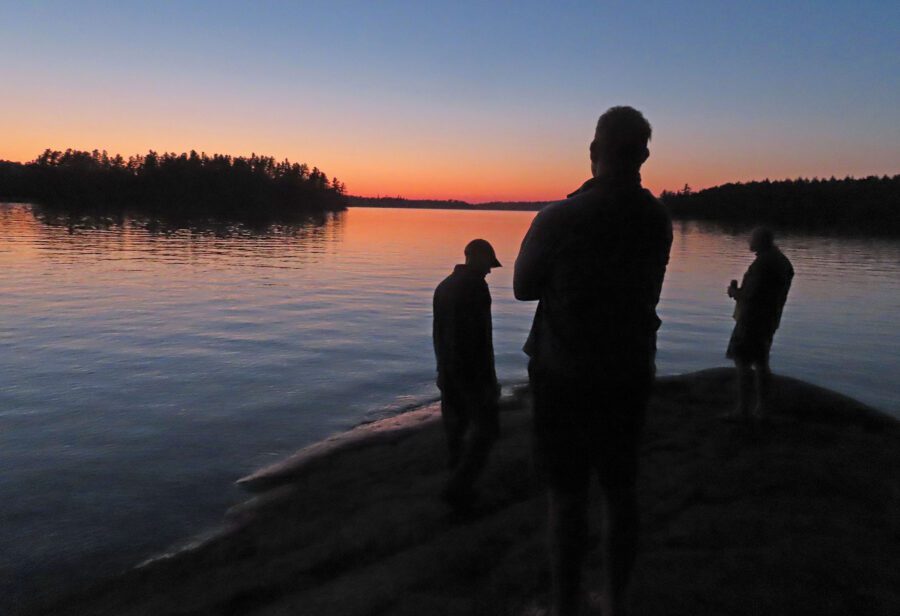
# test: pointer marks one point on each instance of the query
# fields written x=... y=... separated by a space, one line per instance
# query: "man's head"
x=620 y=142
x=480 y=256
x=761 y=239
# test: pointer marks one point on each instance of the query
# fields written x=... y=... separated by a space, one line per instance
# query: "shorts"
x=748 y=345
x=580 y=427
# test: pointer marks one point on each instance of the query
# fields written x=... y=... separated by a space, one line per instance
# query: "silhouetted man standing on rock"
x=463 y=345
x=596 y=263
x=760 y=300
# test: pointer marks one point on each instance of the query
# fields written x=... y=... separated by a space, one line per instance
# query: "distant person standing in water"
x=463 y=346
x=760 y=301
x=595 y=262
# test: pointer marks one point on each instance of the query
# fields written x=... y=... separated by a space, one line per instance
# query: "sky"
x=465 y=100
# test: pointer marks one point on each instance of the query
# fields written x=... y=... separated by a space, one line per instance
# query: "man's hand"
x=733 y=290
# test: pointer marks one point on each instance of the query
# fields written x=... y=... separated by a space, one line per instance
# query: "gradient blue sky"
x=472 y=100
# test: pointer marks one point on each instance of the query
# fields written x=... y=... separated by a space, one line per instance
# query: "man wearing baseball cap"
x=463 y=346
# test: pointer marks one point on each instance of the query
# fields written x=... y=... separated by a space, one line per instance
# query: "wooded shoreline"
x=866 y=206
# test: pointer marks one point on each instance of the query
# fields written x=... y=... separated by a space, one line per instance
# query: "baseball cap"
x=482 y=250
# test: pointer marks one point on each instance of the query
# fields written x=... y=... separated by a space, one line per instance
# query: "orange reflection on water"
x=434 y=236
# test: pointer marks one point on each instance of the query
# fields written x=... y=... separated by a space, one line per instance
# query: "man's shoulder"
x=771 y=265
x=654 y=206
x=654 y=202
x=782 y=257
x=441 y=289
x=459 y=284
x=559 y=212
x=552 y=212
x=784 y=263
x=587 y=202
x=447 y=285
x=774 y=258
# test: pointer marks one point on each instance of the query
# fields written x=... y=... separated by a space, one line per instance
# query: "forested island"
x=867 y=205
x=187 y=186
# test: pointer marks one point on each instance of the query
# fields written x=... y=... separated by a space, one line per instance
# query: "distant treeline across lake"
x=867 y=205
x=259 y=189
x=175 y=186
x=443 y=204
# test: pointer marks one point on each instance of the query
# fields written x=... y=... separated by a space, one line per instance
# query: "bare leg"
x=741 y=412
x=763 y=386
x=745 y=387
x=568 y=535
x=620 y=536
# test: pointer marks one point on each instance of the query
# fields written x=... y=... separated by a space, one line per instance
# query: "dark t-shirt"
x=462 y=333
x=763 y=292
x=596 y=263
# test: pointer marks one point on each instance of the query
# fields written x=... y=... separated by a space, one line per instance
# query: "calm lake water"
x=142 y=372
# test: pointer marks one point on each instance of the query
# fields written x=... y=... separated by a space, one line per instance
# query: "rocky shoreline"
x=801 y=516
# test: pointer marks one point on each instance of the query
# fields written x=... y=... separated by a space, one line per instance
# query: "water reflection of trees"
x=51 y=231
x=81 y=221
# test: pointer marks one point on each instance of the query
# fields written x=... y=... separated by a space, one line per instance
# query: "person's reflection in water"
x=463 y=346
x=596 y=263
x=760 y=301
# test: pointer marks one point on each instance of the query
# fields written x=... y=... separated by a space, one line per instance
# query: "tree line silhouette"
x=443 y=204
x=866 y=205
x=258 y=189
x=175 y=186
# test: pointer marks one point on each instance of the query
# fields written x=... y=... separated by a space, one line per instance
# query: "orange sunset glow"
x=536 y=171
x=488 y=119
